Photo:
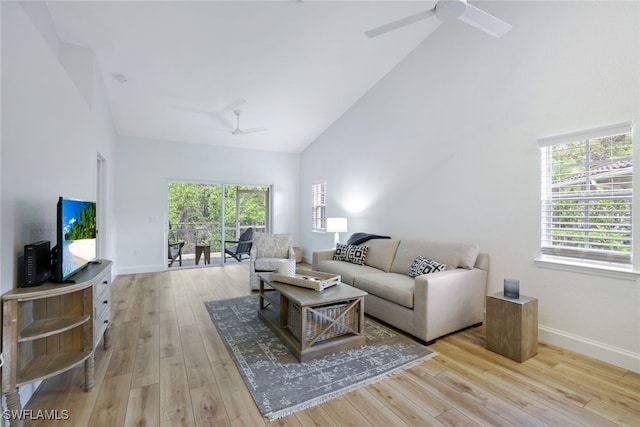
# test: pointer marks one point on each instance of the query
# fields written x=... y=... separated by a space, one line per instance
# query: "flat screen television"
x=76 y=237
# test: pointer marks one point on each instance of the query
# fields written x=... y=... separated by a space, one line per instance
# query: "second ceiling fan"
x=449 y=10
x=238 y=131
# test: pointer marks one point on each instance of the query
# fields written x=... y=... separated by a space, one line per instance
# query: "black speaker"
x=37 y=263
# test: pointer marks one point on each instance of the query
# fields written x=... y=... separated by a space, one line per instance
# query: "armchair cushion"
x=272 y=245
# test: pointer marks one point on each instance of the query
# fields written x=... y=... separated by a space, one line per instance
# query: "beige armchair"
x=267 y=252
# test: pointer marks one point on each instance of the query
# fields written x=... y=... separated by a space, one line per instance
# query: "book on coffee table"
x=310 y=279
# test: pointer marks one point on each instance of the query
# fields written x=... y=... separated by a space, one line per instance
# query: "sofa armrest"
x=321 y=256
x=448 y=301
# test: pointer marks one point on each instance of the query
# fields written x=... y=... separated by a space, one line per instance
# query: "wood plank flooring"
x=168 y=367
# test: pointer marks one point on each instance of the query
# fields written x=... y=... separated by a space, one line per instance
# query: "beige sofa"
x=428 y=306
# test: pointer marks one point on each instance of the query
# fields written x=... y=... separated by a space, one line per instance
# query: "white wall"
x=145 y=167
x=444 y=148
x=50 y=139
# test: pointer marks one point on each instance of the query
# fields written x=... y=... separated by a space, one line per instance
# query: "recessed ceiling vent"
x=119 y=77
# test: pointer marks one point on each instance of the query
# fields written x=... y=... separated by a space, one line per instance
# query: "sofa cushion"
x=272 y=245
x=381 y=253
x=397 y=288
x=422 y=265
x=350 y=253
x=453 y=255
x=346 y=270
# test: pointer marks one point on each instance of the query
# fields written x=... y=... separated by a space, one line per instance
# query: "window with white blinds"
x=587 y=194
x=318 y=214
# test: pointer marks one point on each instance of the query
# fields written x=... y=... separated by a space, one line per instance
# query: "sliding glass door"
x=196 y=211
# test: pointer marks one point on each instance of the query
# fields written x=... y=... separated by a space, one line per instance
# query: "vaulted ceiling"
x=290 y=67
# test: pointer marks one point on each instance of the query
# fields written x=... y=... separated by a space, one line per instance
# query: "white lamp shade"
x=336 y=225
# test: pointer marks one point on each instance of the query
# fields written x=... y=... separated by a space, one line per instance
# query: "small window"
x=587 y=195
x=318 y=212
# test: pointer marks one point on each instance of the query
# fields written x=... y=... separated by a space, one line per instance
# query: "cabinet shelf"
x=47 y=366
x=48 y=327
x=51 y=328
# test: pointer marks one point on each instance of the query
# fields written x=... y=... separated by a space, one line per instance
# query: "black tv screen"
x=76 y=236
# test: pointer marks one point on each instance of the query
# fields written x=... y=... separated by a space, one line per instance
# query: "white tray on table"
x=310 y=279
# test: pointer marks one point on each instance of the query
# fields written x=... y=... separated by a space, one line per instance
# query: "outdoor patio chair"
x=239 y=247
x=175 y=251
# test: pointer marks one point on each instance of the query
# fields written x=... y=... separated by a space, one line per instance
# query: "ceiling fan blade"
x=221 y=129
x=483 y=21
x=234 y=105
x=400 y=23
x=217 y=115
x=246 y=131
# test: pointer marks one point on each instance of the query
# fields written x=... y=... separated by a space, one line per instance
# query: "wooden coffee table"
x=313 y=323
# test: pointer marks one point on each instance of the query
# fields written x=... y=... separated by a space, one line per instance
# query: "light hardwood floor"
x=168 y=367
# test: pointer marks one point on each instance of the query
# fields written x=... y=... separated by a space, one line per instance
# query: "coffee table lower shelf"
x=344 y=342
x=310 y=323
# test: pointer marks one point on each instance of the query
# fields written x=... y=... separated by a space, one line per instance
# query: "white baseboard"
x=601 y=351
x=138 y=269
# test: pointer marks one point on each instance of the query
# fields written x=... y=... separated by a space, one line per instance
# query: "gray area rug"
x=280 y=384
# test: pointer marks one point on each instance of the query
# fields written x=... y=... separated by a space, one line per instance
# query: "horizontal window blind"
x=587 y=194
x=567 y=138
x=318 y=215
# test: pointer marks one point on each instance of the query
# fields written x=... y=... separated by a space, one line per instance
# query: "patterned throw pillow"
x=350 y=253
x=422 y=265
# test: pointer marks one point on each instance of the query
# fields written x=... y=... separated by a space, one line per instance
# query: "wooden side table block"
x=512 y=326
x=203 y=249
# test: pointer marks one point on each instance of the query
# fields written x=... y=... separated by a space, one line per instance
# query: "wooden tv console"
x=51 y=328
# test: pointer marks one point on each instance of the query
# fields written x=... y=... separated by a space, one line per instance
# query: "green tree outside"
x=195 y=215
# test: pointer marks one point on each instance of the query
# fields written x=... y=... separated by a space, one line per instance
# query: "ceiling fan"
x=448 y=10
x=219 y=115
x=238 y=131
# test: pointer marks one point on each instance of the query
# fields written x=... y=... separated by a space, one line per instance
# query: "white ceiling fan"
x=219 y=115
x=238 y=131
x=448 y=10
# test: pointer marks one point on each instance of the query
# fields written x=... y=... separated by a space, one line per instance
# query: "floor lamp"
x=336 y=225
